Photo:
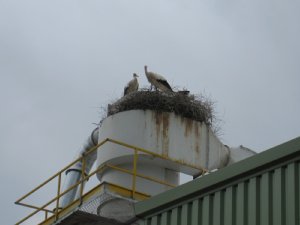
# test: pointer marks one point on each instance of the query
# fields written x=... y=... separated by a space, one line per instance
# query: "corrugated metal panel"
x=270 y=197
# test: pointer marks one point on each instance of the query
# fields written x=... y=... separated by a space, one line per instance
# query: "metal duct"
x=239 y=153
x=73 y=174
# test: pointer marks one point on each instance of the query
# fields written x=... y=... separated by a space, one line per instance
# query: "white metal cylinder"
x=143 y=185
x=180 y=139
x=73 y=174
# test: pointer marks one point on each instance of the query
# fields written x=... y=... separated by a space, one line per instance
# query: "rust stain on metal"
x=197 y=130
x=145 y=122
x=158 y=121
x=188 y=127
x=197 y=138
x=162 y=122
x=165 y=138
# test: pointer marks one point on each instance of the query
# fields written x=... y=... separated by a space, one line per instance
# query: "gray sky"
x=61 y=60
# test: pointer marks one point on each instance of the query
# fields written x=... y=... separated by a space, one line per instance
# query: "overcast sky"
x=61 y=60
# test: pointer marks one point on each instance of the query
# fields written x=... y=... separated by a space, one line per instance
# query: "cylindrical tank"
x=181 y=139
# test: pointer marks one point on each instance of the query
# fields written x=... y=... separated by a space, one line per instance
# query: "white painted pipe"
x=239 y=153
x=73 y=174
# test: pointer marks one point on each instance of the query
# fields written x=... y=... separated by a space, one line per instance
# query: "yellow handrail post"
x=58 y=194
x=135 y=158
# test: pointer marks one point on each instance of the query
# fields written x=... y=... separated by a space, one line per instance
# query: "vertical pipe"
x=82 y=178
x=72 y=177
x=79 y=170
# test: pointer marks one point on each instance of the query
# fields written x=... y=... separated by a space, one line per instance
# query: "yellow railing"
x=84 y=178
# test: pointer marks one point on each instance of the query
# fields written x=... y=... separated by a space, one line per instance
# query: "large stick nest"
x=198 y=108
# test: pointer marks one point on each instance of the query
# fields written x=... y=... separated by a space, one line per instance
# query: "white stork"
x=132 y=85
x=158 y=81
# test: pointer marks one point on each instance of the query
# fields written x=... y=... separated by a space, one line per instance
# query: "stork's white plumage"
x=158 y=81
x=132 y=85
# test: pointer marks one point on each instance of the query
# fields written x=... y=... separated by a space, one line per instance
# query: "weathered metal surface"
x=239 y=153
x=164 y=133
x=183 y=140
x=261 y=190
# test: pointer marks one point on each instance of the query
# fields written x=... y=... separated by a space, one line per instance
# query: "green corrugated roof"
x=249 y=167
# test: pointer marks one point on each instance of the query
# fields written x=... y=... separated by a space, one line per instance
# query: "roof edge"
x=245 y=168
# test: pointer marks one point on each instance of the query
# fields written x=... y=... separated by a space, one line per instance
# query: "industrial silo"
x=175 y=125
x=140 y=147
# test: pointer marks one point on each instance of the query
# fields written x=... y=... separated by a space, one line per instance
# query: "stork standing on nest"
x=158 y=81
x=132 y=85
